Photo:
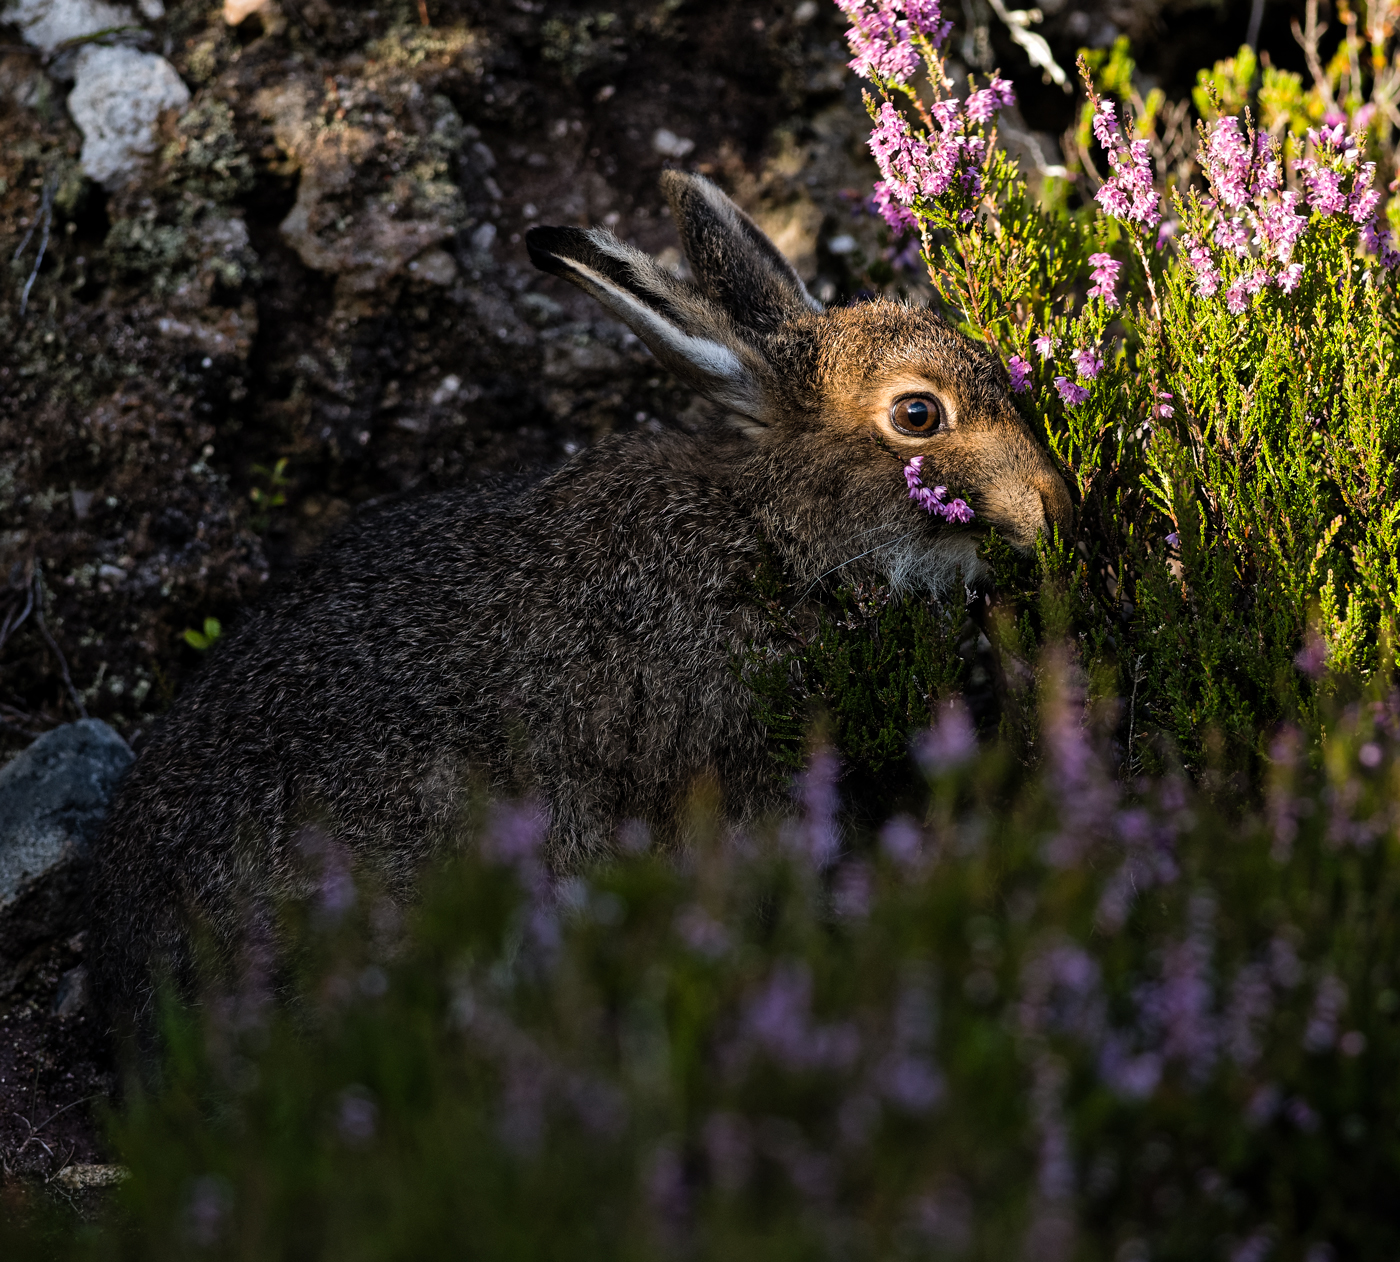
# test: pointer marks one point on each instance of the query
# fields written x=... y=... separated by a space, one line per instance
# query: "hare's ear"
x=735 y=264
x=681 y=327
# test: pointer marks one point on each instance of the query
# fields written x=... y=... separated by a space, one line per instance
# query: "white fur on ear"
x=708 y=363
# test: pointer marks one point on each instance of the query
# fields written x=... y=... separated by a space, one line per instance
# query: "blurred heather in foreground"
x=1050 y=1015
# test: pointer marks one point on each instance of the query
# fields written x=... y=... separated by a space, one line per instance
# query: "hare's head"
x=835 y=403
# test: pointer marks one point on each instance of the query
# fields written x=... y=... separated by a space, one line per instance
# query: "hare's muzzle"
x=1024 y=495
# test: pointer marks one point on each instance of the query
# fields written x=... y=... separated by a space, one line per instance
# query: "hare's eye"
x=917 y=415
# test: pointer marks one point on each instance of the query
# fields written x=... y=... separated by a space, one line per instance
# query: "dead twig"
x=45 y=218
x=52 y=643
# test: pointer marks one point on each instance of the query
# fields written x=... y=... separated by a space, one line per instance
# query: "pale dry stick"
x=1256 y=18
x=1308 y=38
x=11 y=623
x=53 y=644
x=1130 y=763
x=46 y=218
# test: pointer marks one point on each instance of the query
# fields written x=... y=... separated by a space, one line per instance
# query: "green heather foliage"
x=1047 y=1014
x=1121 y=981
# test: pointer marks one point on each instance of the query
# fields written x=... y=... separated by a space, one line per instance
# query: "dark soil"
x=199 y=391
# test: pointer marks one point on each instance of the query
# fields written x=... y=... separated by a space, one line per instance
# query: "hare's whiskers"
x=889 y=543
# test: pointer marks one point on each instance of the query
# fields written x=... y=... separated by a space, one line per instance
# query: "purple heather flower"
x=1166 y=232
x=1105 y=278
x=933 y=499
x=819 y=834
x=1174 y=540
x=1105 y=124
x=1280 y=226
x=1226 y=160
x=729 y=1147
x=880 y=38
x=779 y=1020
x=514 y=835
x=1321 y=1032
x=1254 y=1248
x=335 y=883
x=1311 y=659
x=1178 y=1008
x=1129 y=193
x=1233 y=236
x=949 y=743
x=1087 y=363
x=982 y=106
x=854 y=891
x=1045 y=345
x=902 y=841
x=357 y=1116
x=896 y=215
x=1071 y=393
x=1020 y=373
x=1251 y=1004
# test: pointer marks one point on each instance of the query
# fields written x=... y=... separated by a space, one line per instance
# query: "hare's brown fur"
x=571 y=637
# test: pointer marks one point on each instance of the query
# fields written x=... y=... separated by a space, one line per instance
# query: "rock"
x=48 y=23
x=118 y=97
x=53 y=797
x=77 y=1178
x=72 y=994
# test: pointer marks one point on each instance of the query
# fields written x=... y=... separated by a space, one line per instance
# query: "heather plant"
x=1037 y=1013
x=1208 y=347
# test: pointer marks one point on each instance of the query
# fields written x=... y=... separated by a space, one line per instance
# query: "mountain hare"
x=570 y=638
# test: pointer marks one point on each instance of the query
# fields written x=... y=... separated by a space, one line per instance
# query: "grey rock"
x=53 y=797
x=72 y=992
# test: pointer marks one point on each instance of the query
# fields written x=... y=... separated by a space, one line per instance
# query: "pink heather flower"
x=1045 y=345
x=887 y=205
x=1072 y=394
x=1325 y=192
x=1233 y=236
x=914 y=165
x=1226 y=161
x=1105 y=278
x=1129 y=193
x=882 y=37
x=1105 y=124
x=1235 y=297
x=1290 y=277
x=1280 y=227
x=1166 y=232
x=982 y=106
x=933 y=499
x=1087 y=363
x=1164 y=410
x=1365 y=200
x=1375 y=237
x=1020 y=371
